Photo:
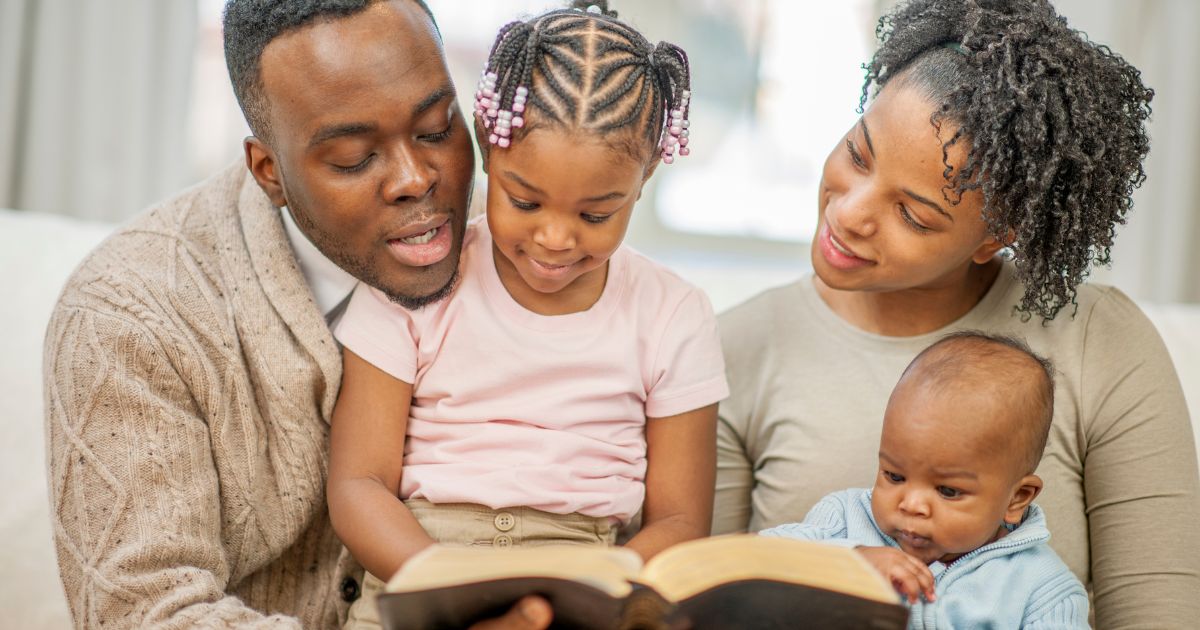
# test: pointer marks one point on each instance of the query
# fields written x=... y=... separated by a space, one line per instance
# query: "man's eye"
x=439 y=136
x=355 y=167
x=949 y=493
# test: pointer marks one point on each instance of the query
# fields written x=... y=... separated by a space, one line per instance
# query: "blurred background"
x=106 y=107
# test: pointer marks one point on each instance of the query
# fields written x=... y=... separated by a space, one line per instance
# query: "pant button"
x=503 y=540
x=505 y=521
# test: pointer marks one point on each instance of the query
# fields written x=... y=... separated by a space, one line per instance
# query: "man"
x=190 y=370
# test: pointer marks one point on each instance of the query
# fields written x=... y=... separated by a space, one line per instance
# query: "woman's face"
x=885 y=223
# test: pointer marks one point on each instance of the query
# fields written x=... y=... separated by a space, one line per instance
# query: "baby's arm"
x=827 y=522
x=367 y=449
x=681 y=455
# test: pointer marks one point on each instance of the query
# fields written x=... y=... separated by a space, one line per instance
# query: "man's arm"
x=134 y=492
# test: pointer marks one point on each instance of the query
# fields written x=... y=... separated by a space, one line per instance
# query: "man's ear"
x=1027 y=490
x=260 y=161
x=481 y=140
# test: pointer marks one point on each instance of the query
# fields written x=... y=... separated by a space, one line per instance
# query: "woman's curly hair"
x=1055 y=128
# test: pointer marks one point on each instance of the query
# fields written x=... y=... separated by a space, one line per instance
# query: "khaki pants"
x=473 y=525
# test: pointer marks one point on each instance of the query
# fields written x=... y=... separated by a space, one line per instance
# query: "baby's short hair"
x=981 y=358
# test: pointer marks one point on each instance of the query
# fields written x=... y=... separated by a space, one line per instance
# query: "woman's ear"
x=261 y=162
x=987 y=250
x=1027 y=490
x=481 y=140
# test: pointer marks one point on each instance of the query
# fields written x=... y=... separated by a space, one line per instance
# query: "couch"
x=38 y=252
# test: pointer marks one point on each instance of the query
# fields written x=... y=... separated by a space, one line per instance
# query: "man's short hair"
x=1005 y=365
x=250 y=25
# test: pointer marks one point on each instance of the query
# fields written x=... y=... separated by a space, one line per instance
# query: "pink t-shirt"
x=512 y=408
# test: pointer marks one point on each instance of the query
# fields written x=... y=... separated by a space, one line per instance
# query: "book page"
x=696 y=566
x=607 y=569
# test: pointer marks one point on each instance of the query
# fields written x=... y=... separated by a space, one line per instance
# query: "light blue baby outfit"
x=1015 y=582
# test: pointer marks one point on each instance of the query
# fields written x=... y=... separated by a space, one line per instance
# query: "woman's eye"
x=854 y=155
x=522 y=205
x=893 y=477
x=912 y=222
x=356 y=167
x=948 y=493
x=595 y=218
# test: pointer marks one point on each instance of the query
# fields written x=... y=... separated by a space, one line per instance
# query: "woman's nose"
x=854 y=212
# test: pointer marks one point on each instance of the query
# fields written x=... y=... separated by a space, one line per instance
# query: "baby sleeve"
x=688 y=369
x=381 y=332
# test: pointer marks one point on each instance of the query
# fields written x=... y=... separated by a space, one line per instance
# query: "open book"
x=737 y=581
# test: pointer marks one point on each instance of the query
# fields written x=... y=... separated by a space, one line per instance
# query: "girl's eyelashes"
x=522 y=205
x=855 y=156
x=912 y=222
x=354 y=168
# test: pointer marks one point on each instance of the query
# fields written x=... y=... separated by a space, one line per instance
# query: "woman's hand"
x=531 y=613
x=909 y=576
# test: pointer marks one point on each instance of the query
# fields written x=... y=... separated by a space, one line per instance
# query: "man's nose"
x=410 y=178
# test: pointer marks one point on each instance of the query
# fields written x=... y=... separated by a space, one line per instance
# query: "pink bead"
x=675 y=131
x=685 y=151
x=503 y=132
x=504 y=142
x=667 y=159
x=518 y=107
x=493 y=138
x=683 y=142
x=518 y=122
x=492 y=112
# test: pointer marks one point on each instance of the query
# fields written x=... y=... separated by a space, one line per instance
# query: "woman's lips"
x=836 y=253
x=423 y=249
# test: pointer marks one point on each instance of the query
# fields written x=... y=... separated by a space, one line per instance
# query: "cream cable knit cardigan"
x=189 y=382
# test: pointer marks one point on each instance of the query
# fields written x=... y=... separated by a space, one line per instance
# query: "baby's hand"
x=909 y=576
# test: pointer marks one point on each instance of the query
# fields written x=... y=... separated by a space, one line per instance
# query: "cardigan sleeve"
x=134 y=490
x=1140 y=481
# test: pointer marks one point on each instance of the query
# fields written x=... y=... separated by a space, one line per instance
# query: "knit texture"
x=189 y=380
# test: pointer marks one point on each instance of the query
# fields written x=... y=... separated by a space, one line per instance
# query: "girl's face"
x=884 y=222
x=558 y=206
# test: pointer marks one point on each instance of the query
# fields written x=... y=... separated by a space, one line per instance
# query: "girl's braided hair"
x=585 y=69
x=1054 y=124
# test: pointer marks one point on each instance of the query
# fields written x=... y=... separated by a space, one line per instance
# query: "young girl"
x=568 y=382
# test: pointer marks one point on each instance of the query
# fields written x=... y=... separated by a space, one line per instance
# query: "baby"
x=951 y=520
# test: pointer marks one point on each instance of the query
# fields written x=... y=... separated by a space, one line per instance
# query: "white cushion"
x=37 y=253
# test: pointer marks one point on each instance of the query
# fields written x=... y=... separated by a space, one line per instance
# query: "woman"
x=996 y=159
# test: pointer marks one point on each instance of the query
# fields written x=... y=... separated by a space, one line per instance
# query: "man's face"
x=369 y=150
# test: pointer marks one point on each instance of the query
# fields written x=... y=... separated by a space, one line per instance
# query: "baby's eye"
x=595 y=218
x=948 y=493
x=893 y=477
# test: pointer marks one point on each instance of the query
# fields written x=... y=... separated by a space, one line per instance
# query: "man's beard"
x=361 y=269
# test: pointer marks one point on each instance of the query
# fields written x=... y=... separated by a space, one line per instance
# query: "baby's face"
x=946 y=476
